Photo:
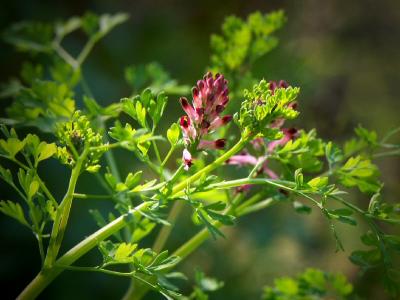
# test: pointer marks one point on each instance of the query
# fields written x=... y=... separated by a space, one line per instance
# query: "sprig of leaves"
x=262 y=106
x=311 y=284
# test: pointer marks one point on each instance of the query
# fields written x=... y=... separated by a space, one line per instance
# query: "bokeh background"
x=343 y=54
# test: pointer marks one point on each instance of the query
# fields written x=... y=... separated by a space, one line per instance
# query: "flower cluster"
x=76 y=135
x=210 y=97
x=245 y=158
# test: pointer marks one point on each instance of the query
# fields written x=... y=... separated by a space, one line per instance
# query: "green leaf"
x=214 y=231
x=207 y=284
x=30 y=36
x=361 y=173
x=144 y=187
x=12 y=146
x=224 y=219
x=301 y=208
x=393 y=241
x=366 y=259
x=33 y=188
x=133 y=180
x=311 y=284
x=6 y=175
x=141 y=114
x=370 y=137
x=46 y=151
x=153 y=76
x=143 y=229
x=173 y=134
x=287 y=285
x=342 y=216
x=124 y=251
x=244 y=41
x=318 y=183
x=13 y=210
x=298 y=177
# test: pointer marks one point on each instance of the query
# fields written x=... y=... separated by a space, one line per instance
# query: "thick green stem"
x=219 y=161
x=166 y=230
x=61 y=220
x=46 y=276
x=196 y=241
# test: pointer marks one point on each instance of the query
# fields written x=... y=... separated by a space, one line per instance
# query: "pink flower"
x=210 y=97
x=203 y=116
x=273 y=85
x=242 y=159
x=217 y=144
x=288 y=134
x=247 y=159
x=187 y=159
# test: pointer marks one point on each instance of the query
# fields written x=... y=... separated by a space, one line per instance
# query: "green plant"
x=283 y=165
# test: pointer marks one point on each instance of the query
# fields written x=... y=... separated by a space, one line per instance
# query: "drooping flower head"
x=203 y=116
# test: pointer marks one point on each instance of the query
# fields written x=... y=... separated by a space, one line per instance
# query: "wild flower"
x=203 y=116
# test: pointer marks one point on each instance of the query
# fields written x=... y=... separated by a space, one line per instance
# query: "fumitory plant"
x=230 y=121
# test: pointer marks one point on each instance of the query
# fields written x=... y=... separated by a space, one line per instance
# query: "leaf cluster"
x=262 y=106
x=311 y=284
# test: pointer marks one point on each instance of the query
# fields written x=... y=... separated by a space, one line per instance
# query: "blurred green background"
x=343 y=54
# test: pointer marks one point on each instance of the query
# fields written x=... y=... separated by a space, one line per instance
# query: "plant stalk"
x=61 y=220
x=47 y=275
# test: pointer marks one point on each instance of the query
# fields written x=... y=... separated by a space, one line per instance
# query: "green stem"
x=62 y=214
x=91 y=196
x=46 y=276
x=387 y=153
x=219 y=161
x=86 y=49
x=158 y=156
x=196 y=241
x=166 y=230
x=171 y=150
x=66 y=56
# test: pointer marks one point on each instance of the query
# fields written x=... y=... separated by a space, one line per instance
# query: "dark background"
x=343 y=54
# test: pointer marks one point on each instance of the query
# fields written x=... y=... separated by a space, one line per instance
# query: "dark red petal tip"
x=226 y=119
x=205 y=124
x=220 y=143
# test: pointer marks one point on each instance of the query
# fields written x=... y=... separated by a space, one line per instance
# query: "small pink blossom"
x=273 y=85
x=288 y=134
x=217 y=144
x=187 y=159
x=247 y=159
x=242 y=159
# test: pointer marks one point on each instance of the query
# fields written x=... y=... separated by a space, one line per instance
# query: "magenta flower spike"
x=210 y=97
x=203 y=115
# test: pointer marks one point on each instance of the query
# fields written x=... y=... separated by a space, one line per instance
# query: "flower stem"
x=171 y=150
x=166 y=230
x=60 y=222
x=133 y=293
x=219 y=161
x=46 y=276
